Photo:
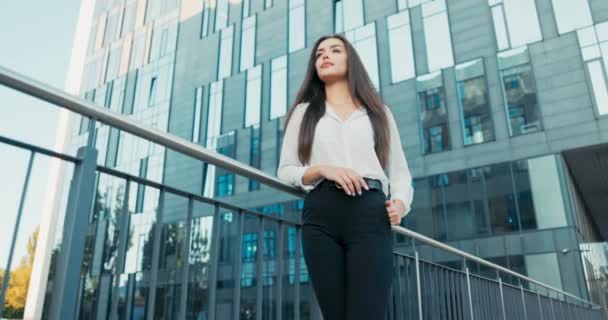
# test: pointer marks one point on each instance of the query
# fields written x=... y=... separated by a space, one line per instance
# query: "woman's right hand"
x=348 y=179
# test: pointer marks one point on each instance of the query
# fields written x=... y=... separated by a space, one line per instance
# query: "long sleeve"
x=399 y=173
x=290 y=167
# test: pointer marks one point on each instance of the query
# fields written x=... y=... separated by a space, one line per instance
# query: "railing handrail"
x=78 y=105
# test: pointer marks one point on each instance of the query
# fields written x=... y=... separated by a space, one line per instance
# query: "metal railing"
x=421 y=290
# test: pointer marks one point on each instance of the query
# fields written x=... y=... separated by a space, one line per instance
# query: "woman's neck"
x=338 y=95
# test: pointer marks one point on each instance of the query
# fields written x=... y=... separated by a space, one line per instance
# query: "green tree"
x=19 y=281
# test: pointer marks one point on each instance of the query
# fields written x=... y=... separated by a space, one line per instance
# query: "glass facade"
x=512 y=212
x=496 y=199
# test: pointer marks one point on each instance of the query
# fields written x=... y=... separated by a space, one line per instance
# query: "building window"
x=255 y=154
x=433 y=113
x=278 y=87
x=267 y=4
x=111 y=26
x=519 y=90
x=205 y=19
x=515 y=23
x=338 y=16
x=593 y=42
x=571 y=15
x=473 y=101
x=401 y=48
x=221 y=14
x=225 y=63
x=254 y=96
x=128 y=20
x=198 y=116
x=248 y=257
x=152 y=92
x=248 y=43
x=224 y=178
x=164 y=44
x=297 y=25
x=143 y=172
x=364 y=41
x=214 y=125
x=246 y=8
x=278 y=143
x=408 y=4
x=437 y=35
x=352 y=16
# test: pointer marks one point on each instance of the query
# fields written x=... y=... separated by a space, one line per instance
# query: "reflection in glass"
x=197 y=306
x=473 y=101
x=253 y=99
x=255 y=154
x=519 y=89
x=224 y=180
x=433 y=113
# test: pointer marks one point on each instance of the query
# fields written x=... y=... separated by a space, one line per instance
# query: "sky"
x=36 y=38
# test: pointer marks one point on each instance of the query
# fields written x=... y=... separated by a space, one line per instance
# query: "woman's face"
x=331 y=60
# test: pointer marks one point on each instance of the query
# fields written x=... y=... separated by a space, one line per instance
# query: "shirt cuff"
x=406 y=203
x=299 y=175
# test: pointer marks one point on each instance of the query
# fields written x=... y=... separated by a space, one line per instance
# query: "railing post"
x=259 y=274
x=279 y=260
x=418 y=286
x=213 y=261
x=239 y=265
x=297 y=274
x=469 y=293
x=69 y=265
x=523 y=300
x=540 y=305
x=502 y=299
x=551 y=304
x=7 y=274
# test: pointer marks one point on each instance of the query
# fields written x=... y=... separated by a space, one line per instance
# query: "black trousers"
x=347 y=245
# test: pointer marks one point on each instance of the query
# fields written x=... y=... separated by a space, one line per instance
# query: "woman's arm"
x=399 y=173
x=290 y=167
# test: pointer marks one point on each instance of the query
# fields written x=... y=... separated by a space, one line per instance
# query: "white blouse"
x=347 y=144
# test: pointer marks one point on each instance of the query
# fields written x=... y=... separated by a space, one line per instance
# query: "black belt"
x=373 y=184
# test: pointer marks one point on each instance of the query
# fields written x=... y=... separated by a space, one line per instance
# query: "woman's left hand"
x=394 y=210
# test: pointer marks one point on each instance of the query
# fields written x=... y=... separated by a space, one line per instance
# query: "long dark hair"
x=312 y=91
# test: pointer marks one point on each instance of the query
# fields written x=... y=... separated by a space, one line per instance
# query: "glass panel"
x=113 y=62
x=571 y=14
x=522 y=21
x=598 y=83
x=297 y=26
x=248 y=43
x=463 y=220
x=270 y=270
x=205 y=22
x=500 y=27
x=221 y=14
x=437 y=36
x=520 y=92
x=353 y=14
x=523 y=191
x=224 y=179
x=227 y=260
x=401 y=47
x=199 y=258
x=254 y=96
x=546 y=192
x=278 y=87
x=433 y=113
x=501 y=200
x=338 y=16
x=246 y=7
x=475 y=111
x=267 y=4
x=249 y=258
x=171 y=257
x=225 y=63
x=129 y=18
x=544 y=268
x=198 y=116
x=255 y=154
x=440 y=231
x=110 y=31
x=214 y=122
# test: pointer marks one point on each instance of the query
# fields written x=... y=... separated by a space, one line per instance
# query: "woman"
x=339 y=140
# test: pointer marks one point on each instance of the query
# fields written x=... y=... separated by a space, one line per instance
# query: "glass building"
x=502 y=107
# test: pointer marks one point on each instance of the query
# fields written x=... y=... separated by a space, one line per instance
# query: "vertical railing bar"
x=11 y=252
x=258 y=272
x=186 y=263
x=151 y=301
x=418 y=286
x=297 y=275
x=239 y=265
x=214 y=260
x=469 y=293
x=279 y=262
x=123 y=234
